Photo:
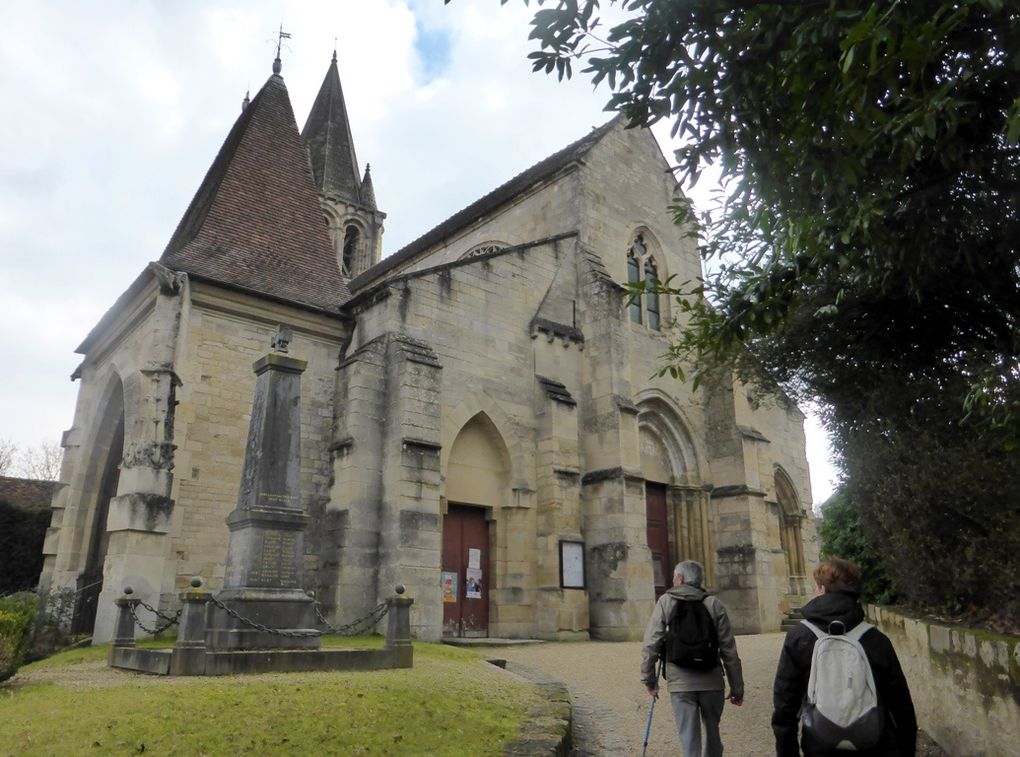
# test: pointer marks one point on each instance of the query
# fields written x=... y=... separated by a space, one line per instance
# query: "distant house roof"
x=255 y=222
x=490 y=202
x=27 y=493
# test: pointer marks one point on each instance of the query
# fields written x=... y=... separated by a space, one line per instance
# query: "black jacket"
x=899 y=738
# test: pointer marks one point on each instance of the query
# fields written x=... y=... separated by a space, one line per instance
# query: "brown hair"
x=836 y=574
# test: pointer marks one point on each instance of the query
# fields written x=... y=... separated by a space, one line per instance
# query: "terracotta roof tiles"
x=255 y=223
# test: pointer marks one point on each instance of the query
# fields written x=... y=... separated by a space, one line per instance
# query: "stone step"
x=792 y=619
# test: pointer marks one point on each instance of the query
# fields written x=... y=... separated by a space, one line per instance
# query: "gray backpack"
x=841 y=710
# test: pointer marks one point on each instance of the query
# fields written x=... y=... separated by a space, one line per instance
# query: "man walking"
x=695 y=685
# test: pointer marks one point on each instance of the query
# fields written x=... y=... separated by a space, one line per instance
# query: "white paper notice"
x=474 y=558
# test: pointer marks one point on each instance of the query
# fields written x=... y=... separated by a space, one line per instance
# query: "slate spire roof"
x=255 y=223
x=327 y=136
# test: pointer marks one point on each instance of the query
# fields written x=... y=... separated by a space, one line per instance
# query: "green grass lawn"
x=450 y=703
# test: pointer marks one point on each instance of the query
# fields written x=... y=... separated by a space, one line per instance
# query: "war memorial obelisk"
x=262 y=620
x=265 y=557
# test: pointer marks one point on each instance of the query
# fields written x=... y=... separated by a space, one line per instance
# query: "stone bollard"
x=189 y=651
x=398 y=626
x=124 y=633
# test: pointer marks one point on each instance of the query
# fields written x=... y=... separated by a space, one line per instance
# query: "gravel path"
x=611 y=705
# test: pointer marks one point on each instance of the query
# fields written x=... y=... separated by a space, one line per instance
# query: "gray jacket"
x=685 y=679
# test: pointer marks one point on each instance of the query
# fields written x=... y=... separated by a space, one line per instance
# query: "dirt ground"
x=611 y=705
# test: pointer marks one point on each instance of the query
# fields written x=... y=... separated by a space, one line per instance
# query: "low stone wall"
x=965 y=683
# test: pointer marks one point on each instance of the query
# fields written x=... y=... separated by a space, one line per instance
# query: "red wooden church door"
x=658 y=537
x=465 y=572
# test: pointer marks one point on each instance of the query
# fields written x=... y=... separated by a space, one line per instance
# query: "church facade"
x=480 y=419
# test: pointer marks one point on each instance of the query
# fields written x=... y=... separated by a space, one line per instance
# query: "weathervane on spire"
x=282 y=35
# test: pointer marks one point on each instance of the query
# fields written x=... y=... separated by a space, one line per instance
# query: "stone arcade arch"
x=790 y=537
x=477 y=488
x=100 y=486
x=676 y=502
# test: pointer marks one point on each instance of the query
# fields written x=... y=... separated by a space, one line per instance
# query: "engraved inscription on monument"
x=274 y=565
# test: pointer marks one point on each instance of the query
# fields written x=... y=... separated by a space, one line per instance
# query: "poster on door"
x=473 y=583
x=449 y=584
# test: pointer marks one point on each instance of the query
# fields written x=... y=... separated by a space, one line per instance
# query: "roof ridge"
x=488 y=202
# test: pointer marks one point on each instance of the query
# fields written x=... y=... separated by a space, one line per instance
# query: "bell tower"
x=347 y=197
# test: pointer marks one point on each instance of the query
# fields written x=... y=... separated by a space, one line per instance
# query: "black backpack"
x=691 y=640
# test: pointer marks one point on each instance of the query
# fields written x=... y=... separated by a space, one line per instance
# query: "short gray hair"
x=692 y=571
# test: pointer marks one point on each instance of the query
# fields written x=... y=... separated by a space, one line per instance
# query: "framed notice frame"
x=571 y=565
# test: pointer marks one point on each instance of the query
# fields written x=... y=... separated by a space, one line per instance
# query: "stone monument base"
x=291 y=615
x=189 y=662
x=194 y=655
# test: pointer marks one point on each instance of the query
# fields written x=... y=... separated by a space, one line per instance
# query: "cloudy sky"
x=116 y=109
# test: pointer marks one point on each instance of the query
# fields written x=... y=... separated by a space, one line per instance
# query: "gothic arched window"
x=351 y=237
x=641 y=266
x=633 y=277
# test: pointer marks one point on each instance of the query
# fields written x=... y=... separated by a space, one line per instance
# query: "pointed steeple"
x=255 y=223
x=327 y=136
x=367 y=190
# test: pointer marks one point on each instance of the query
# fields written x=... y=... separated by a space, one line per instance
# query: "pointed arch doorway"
x=675 y=507
x=477 y=476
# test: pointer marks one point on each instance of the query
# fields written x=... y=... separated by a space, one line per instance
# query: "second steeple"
x=355 y=224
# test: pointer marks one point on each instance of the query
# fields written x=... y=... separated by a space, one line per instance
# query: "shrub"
x=17 y=613
x=843 y=535
x=939 y=500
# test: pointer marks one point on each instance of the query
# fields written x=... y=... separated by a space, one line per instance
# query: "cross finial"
x=334 y=49
x=277 y=64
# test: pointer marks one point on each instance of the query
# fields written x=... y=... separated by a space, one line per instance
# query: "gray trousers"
x=691 y=710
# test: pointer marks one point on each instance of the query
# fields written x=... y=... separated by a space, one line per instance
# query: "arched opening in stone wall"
x=477 y=486
x=352 y=243
x=101 y=481
x=790 y=537
x=676 y=505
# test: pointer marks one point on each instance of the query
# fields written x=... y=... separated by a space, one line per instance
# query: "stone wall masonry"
x=544 y=211
x=965 y=683
x=475 y=316
x=127 y=377
x=227 y=333
x=349 y=574
x=410 y=522
x=626 y=186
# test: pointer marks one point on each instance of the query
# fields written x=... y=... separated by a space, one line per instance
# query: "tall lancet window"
x=641 y=266
x=651 y=298
x=633 y=277
x=351 y=238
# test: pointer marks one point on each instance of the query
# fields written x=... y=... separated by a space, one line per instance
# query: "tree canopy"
x=867 y=249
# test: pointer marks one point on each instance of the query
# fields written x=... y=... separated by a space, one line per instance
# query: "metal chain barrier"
x=353 y=628
x=167 y=620
x=350 y=629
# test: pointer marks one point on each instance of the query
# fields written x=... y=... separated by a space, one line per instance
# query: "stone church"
x=480 y=419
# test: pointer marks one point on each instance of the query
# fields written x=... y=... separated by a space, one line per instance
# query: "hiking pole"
x=651 y=710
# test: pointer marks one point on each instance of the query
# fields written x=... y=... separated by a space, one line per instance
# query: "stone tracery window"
x=483 y=249
x=641 y=266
